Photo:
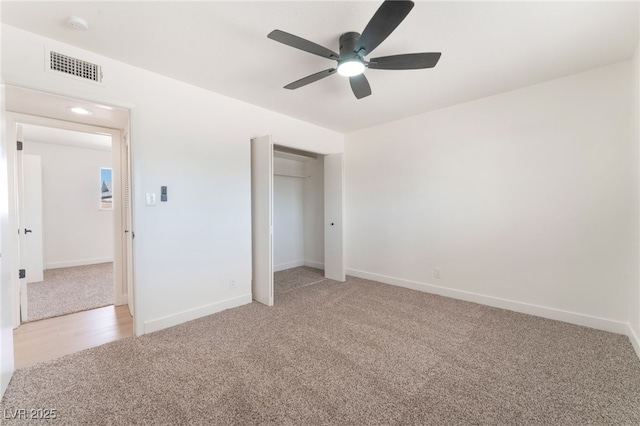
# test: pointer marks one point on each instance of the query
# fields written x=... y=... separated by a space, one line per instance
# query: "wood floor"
x=54 y=337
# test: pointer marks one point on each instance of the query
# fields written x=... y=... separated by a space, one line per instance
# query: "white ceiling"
x=487 y=48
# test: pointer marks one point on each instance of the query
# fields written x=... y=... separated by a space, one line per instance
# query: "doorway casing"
x=121 y=220
x=262 y=149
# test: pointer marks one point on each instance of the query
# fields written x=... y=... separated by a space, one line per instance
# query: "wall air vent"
x=75 y=67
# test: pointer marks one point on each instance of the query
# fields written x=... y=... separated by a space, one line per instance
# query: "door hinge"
x=22 y=273
x=19 y=145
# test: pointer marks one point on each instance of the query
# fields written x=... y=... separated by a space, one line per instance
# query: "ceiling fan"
x=354 y=47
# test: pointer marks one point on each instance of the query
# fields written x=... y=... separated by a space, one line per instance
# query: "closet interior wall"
x=298 y=211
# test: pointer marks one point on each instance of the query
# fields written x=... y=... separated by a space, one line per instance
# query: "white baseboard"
x=288 y=265
x=192 y=314
x=309 y=263
x=71 y=263
x=635 y=339
x=313 y=264
x=512 y=305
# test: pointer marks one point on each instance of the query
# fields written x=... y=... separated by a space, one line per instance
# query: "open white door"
x=334 y=265
x=22 y=243
x=262 y=219
x=33 y=224
x=128 y=222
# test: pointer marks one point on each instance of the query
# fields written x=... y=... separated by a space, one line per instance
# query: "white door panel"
x=262 y=219
x=33 y=225
x=334 y=265
x=128 y=222
x=22 y=252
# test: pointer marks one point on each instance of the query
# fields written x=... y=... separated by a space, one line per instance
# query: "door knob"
x=26 y=231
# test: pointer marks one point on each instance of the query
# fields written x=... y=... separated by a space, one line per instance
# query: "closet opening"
x=297 y=211
x=298 y=219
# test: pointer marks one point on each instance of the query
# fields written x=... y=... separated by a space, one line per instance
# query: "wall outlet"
x=232 y=282
x=437 y=273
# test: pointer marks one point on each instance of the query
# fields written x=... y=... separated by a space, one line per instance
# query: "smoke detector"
x=78 y=23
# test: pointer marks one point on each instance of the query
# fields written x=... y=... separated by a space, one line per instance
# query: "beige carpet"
x=295 y=278
x=355 y=353
x=68 y=290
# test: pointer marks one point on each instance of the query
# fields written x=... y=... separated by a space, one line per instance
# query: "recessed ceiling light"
x=78 y=23
x=80 y=111
x=351 y=68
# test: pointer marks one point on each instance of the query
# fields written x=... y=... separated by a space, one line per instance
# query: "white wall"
x=76 y=231
x=298 y=213
x=288 y=214
x=524 y=200
x=634 y=299
x=6 y=263
x=195 y=142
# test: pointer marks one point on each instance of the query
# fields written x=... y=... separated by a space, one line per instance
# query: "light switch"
x=150 y=198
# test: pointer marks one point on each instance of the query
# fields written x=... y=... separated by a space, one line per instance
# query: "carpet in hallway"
x=68 y=290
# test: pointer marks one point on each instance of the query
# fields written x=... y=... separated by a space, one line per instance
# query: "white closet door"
x=262 y=219
x=334 y=264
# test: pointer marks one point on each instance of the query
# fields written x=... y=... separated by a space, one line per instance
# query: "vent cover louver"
x=75 y=67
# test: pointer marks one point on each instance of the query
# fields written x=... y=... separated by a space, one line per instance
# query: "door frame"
x=337 y=270
x=120 y=261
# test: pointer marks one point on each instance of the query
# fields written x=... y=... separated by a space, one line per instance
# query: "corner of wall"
x=634 y=304
x=635 y=340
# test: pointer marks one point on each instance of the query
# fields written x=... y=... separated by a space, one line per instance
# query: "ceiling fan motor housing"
x=347 y=46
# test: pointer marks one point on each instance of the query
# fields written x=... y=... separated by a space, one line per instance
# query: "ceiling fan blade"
x=360 y=86
x=302 y=44
x=310 y=79
x=386 y=19
x=409 y=61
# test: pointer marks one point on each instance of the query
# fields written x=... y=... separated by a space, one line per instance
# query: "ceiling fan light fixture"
x=351 y=68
